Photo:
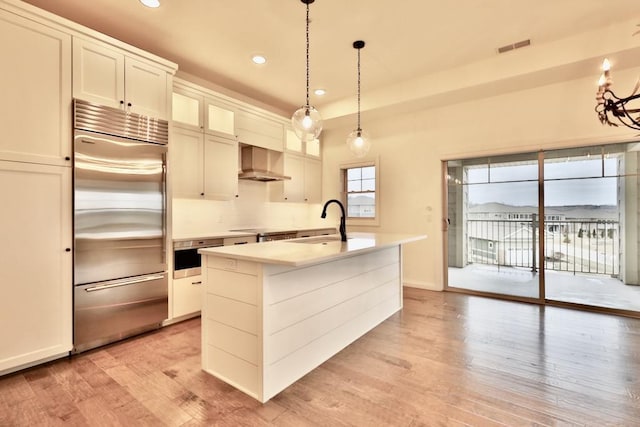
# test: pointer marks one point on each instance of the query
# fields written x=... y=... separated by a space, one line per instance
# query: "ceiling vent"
x=514 y=46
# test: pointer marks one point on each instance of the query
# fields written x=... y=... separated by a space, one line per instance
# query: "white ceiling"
x=405 y=39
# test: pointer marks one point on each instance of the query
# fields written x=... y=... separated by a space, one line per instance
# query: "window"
x=360 y=191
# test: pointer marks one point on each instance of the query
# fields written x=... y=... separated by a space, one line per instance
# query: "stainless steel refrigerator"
x=120 y=268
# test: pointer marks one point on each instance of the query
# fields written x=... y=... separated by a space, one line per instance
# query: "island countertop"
x=312 y=250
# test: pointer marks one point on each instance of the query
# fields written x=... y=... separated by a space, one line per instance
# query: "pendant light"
x=306 y=121
x=358 y=141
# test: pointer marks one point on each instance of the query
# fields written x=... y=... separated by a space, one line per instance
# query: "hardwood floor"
x=446 y=359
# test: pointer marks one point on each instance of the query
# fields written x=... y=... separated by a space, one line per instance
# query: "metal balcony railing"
x=584 y=246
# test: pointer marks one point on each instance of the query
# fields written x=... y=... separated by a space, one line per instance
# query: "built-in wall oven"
x=186 y=259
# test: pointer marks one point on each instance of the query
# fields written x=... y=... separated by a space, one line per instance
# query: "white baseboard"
x=422 y=285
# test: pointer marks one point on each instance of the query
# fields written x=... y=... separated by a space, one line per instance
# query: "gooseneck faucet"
x=343 y=227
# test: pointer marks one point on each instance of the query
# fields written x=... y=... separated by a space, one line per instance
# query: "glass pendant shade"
x=359 y=143
x=307 y=123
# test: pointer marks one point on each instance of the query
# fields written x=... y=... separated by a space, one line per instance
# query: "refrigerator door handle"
x=124 y=283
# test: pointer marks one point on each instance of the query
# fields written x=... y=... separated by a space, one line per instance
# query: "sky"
x=566 y=183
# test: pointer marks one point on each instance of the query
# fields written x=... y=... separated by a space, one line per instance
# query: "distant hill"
x=605 y=212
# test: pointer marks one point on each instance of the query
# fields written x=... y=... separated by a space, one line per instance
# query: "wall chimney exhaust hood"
x=255 y=165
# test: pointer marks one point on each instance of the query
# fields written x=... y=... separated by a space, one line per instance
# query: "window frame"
x=360 y=221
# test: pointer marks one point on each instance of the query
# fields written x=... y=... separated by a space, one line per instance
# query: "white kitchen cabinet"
x=220 y=168
x=305 y=184
x=229 y=241
x=187 y=108
x=187 y=291
x=186 y=163
x=108 y=76
x=295 y=144
x=35 y=83
x=187 y=296
x=255 y=129
x=219 y=118
x=203 y=166
x=36 y=274
x=197 y=110
x=302 y=163
x=312 y=180
x=292 y=189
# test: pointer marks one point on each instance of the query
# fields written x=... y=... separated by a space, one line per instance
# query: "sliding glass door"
x=591 y=235
x=580 y=247
x=493 y=225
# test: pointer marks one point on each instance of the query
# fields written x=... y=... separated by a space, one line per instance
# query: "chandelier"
x=306 y=121
x=611 y=107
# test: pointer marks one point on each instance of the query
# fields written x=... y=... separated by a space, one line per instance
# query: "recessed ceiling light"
x=258 y=59
x=151 y=3
x=319 y=92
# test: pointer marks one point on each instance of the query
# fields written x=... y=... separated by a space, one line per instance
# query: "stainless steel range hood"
x=256 y=165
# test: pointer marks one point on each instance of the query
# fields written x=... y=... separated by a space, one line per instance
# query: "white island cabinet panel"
x=35 y=85
x=307 y=302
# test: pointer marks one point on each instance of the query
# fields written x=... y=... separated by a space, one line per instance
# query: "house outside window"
x=360 y=192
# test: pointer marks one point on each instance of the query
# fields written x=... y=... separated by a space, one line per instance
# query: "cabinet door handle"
x=197 y=283
x=122 y=102
x=128 y=104
x=67 y=249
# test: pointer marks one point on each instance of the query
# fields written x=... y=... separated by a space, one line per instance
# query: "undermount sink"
x=317 y=240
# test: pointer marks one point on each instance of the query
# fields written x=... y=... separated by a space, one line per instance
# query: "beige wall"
x=411 y=146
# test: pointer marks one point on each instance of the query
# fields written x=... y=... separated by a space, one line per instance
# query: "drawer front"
x=187 y=295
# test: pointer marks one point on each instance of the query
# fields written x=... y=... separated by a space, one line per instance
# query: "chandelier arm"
x=625 y=118
x=617 y=107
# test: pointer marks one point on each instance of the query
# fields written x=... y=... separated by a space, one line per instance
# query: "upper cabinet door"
x=186 y=162
x=35 y=87
x=145 y=88
x=106 y=76
x=220 y=168
x=187 y=109
x=291 y=141
x=313 y=148
x=98 y=73
x=312 y=181
x=220 y=118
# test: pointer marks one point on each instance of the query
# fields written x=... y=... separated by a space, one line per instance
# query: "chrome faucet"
x=343 y=227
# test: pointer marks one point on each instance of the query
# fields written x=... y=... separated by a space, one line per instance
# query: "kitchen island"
x=274 y=311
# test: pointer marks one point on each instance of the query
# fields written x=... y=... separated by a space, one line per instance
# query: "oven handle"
x=125 y=283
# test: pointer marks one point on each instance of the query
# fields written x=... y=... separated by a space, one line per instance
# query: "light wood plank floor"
x=446 y=359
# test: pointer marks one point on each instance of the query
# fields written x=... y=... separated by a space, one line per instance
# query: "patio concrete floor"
x=590 y=289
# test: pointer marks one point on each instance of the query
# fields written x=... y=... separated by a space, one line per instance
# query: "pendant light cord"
x=359 y=129
x=307 y=55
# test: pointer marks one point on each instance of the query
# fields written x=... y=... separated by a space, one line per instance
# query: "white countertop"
x=218 y=234
x=322 y=249
x=210 y=235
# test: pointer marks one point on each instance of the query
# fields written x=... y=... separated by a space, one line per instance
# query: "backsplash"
x=251 y=209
